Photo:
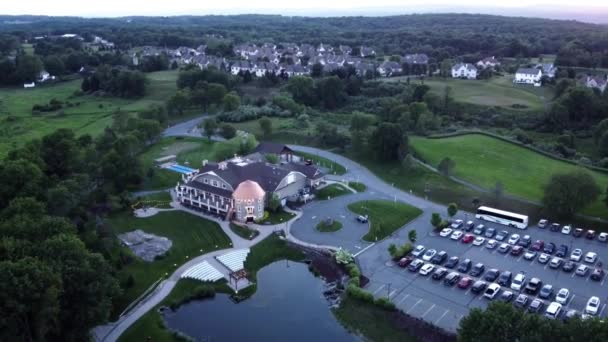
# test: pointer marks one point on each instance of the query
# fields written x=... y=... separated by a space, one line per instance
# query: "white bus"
x=502 y=217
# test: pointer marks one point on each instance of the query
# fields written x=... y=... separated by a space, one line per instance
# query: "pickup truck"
x=362 y=218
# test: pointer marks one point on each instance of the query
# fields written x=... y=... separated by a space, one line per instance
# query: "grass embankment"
x=357 y=186
x=332 y=166
x=331 y=191
x=484 y=160
x=156 y=200
x=191 y=236
x=385 y=217
x=243 y=232
x=278 y=217
x=370 y=321
x=85 y=114
x=323 y=227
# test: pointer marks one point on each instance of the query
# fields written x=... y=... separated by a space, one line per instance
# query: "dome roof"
x=248 y=190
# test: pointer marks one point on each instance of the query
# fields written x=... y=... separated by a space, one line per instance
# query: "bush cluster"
x=52 y=106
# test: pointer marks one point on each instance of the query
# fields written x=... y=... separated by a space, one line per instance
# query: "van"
x=553 y=310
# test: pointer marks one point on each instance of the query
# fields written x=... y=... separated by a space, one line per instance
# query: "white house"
x=528 y=76
x=464 y=70
x=388 y=68
x=29 y=85
x=488 y=62
x=599 y=82
x=548 y=69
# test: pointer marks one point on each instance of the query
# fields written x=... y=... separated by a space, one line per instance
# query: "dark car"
x=578 y=232
x=554 y=227
x=477 y=270
x=452 y=262
x=465 y=265
x=451 y=279
x=479 y=229
x=405 y=261
x=569 y=266
x=501 y=235
x=590 y=234
x=517 y=250
x=536 y=306
x=521 y=301
x=562 y=251
x=549 y=248
x=479 y=286
x=597 y=274
x=538 y=245
x=490 y=232
x=464 y=283
x=439 y=273
x=525 y=241
x=491 y=275
x=505 y=278
x=533 y=286
x=506 y=296
x=439 y=258
x=469 y=226
x=546 y=291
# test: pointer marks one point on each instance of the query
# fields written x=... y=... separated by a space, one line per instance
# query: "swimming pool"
x=180 y=169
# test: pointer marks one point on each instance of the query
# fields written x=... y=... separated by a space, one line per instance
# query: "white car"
x=542 y=223
x=591 y=257
x=479 y=241
x=513 y=239
x=456 y=235
x=492 y=291
x=491 y=244
x=426 y=269
x=576 y=255
x=429 y=254
x=582 y=270
x=553 y=310
x=603 y=237
x=566 y=230
x=457 y=224
x=518 y=282
x=418 y=251
x=562 y=296
x=529 y=255
x=446 y=232
x=543 y=258
x=593 y=305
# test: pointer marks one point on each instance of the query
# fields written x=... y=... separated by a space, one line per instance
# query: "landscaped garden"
x=332 y=191
x=385 y=217
x=276 y=217
x=329 y=225
x=244 y=232
x=357 y=186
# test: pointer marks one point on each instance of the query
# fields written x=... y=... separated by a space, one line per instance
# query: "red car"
x=538 y=245
x=468 y=238
x=405 y=261
x=464 y=283
x=517 y=250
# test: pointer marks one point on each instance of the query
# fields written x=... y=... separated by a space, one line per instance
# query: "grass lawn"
x=370 y=321
x=357 y=186
x=334 y=168
x=191 y=236
x=484 y=160
x=86 y=115
x=331 y=191
x=157 y=200
x=326 y=228
x=244 y=232
x=385 y=216
x=280 y=216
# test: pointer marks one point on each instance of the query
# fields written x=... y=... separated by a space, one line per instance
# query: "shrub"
x=412 y=235
x=227 y=131
x=436 y=220
x=385 y=303
x=452 y=209
x=405 y=249
x=359 y=294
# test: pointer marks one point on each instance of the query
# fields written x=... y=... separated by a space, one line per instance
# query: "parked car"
x=504 y=248
x=549 y=248
x=465 y=282
x=505 y=278
x=507 y=296
x=536 y=306
x=491 y=275
x=491 y=291
x=590 y=234
x=490 y=232
x=478 y=241
x=543 y=258
x=593 y=305
x=468 y=238
x=576 y=255
x=582 y=270
x=415 y=265
x=480 y=229
x=603 y=237
x=521 y=301
x=456 y=235
x=597 y=274
x=538 y=245
x=517 y=250
x=439 y=273
x=513 y=239
x=418 y=251
x=518 y=282
x=465 y=266
x=363 y=218
x=571 y=314
x=501 y=235
x=429 y=254
x=533 y=286
x=530 y=255
x=562 y=296
x=469 y=226
x=566 y=230
x=555 y=263
x=590 y=257
x=553 y=310
x=477 y=270
x=478 y=286
x=491 y=244
x=452 y=262
x=525 y=241
x=554 y=227
x=426 y=269
x=405 y=261
x=569 y=266
x=542 y=224
x=457 y=224
x=578 y=232
x=445 y=232
x=439 y=258
x=562 y=251
x=546 y=291
x=451 y=279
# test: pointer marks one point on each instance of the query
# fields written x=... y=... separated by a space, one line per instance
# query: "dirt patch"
x=178 y=147
x=146 y=246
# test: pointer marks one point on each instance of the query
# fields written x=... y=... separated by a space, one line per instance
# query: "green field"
x=86 y=115
x=323 y=227
x=483 y=161
x=331 y=191
x=385 y=217
x=191 y=236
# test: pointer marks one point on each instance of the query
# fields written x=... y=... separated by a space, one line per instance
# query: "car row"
x=577 y=232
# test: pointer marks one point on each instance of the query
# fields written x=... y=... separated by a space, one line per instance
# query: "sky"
x=562 y=9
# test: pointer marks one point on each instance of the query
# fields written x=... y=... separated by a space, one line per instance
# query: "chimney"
x=205 y=161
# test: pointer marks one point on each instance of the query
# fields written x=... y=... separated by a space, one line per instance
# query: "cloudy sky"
x=309 y=7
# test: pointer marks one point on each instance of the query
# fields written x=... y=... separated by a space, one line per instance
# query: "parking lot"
x=431 y=300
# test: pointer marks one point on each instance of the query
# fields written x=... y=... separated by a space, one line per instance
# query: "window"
x=224 y=186
x=206 y=181
x=214 y=183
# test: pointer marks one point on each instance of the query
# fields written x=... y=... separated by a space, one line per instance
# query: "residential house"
x=417 y=58
x=238 y=66
x=44 y=76
x=464 y=70
x=488 y=62
x=528 y=76
x=597 y=82
x=345 y=49
x=389 y=68
x=548 y=69
x=367 y=51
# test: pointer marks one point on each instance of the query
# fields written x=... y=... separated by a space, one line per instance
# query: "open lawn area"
x=331 y=191
x=332 y=166
x=84 y=114
x=385 y=217
x=484 y=160
x=191 y=236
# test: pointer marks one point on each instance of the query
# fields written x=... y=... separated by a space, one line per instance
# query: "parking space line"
x=440 y=317
x=391 y=294
x=601 y=311
x=603 y=279
x=404 y=298
x=413 y=306
x=571 y=299
x=427 y=311
x=379 y=289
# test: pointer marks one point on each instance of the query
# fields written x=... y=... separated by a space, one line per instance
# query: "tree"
x=210 y=125
x=274 y=203
x=272 y=158
x=231 y=102
x=177 y=103
x=446 y=166
x=392 y=250
x=227 y=131
x=316 y=70
x=360 y=121
x=412 y=235
x=302 y=89
x=330 y=91
x=54 y=65
x=436 y=220
x=388 y=142
x=266 y=126
x=567 y=193
x=452 y=209
x=28 y=68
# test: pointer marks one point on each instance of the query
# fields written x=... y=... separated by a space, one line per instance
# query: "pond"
x=288 y=305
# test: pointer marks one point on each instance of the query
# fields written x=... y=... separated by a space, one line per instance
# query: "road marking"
x=571 y=299
x=358 y=247
x=380 y=288
x=439 y=319
x=314 y=217
x=363 y=250
x=413 y=306
x=573 y=274
x=429 y=310
x=404 y=298
x=547 y=264
x=391 y=294
x=601 y=311
x=604 y=279
x=466 y=293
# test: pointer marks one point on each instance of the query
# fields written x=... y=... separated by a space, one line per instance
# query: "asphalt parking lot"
x=444 y=306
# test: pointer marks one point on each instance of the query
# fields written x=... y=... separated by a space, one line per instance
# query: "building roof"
x=528 y=71
x=209 y=188
x=268 y=176
x=467 y=66
x=272 y=148
x=248 y=190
